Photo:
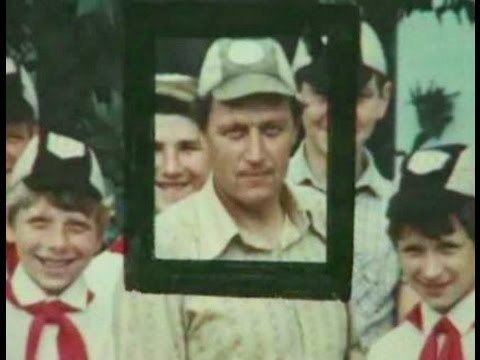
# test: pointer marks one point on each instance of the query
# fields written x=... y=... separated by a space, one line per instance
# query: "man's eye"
x=235 y=134
x=272 y=130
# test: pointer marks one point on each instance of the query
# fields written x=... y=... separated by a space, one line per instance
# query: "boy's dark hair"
x=202 y=106
x=435 y=227
x=165 y=104
x=18 y=110
x=65 y=199
x=365 y=74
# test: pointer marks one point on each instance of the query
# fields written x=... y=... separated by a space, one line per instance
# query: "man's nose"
x=255 y=148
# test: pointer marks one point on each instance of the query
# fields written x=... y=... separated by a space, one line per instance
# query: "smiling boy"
x=432 y=223
x=57 y=220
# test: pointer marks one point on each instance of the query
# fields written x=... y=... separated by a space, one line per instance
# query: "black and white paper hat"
x=19 y=81
x=52 y=161
x=434 y=182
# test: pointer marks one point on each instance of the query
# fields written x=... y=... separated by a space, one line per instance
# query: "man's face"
x=371 y=107
x=441 y=271
x=250 y=143
x=54 y=245
x=181 y=159
x=17 y=139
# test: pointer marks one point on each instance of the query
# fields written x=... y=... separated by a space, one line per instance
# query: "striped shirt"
x=376 y=270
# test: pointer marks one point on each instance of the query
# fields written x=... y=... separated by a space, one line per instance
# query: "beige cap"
x=180 y=86
x=235 y=68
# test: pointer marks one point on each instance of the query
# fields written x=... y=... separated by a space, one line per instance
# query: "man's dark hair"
x=441 y=225
x=202 y=106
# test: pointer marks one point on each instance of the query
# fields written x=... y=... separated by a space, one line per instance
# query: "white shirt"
x=406 y=341
x=93 y=321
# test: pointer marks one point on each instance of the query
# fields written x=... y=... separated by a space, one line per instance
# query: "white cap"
x=179 y=86
x=371 y=51
x=28 y=88
x=462 y=179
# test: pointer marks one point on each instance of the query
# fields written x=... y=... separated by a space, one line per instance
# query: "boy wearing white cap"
x=58 y=216
x=245 y=211
x=432 y=224
x=181 y=153
x=375 y=268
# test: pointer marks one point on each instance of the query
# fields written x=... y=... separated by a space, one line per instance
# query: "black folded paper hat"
x=435 y=182
x=56 y=162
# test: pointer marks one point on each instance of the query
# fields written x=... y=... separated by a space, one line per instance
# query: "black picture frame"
x=147 y=20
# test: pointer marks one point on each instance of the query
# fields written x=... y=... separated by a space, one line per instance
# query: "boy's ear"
x=9 y=233
x=385 y=96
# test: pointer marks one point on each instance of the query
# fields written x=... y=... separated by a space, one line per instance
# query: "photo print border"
x=145 y=22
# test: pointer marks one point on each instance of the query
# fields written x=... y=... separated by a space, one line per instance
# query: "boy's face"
x=372 y=104
x=17 y=139
x=181 y=159
x=54 y=245
x=441 y=271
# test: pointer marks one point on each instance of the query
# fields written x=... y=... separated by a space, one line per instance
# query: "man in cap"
x=58 y=214
x=375 y=270
x=432 y=224
x=245 y=211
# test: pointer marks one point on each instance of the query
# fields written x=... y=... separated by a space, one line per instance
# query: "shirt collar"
x=462 y=315
x=299 y=172
x=218 y=229
x=28 y=293
x=372 y=179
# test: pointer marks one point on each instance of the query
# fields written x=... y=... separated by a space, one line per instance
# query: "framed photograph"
x=150 y=27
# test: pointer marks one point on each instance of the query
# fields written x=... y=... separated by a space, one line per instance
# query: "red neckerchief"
x=70 y=343
x=11 y=255
x=452 y=346
x=119 y=246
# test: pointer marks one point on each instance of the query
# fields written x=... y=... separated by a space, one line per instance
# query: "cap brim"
x=249 y=84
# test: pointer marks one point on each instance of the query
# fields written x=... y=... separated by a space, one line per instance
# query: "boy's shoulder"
x=399 y=343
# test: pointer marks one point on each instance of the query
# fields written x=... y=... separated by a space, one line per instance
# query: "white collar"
x=462 y=315
x=28 y=293
x=299 y=172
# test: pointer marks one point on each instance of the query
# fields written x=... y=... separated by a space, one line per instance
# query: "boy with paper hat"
x=432 y=224
x=58 y=213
